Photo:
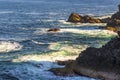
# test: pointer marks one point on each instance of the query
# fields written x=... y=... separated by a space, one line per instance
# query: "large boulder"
x=74 y=17
x=103 y=63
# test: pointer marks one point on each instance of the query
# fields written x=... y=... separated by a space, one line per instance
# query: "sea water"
x=28 y=51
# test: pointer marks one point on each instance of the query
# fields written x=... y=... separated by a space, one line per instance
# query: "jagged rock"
x=75 y=18
x=103 y=63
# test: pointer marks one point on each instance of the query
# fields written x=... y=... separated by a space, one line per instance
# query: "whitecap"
x=33 y=13
x=36 y=42
x=5 y=12
x=82 y=24
x=94 y=32
x=7 y=46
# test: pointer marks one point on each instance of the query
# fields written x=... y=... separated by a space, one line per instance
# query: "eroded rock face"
x=101 y=62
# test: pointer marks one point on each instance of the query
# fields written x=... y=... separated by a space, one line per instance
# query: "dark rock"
x=105 y=20
x=103 y=63
x=119 y=7
x=116 y=16
x=118 y=32
x=114 y=23
x=53 y=30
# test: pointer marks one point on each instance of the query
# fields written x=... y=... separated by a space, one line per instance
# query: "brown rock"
x=53 y=30
x=74 y=17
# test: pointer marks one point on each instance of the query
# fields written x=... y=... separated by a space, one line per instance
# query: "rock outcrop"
x=76 y=18
x=103 y=63
x=114 y=23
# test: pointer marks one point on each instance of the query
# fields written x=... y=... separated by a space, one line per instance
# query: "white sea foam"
x=33 y=13
x=95 y=32
x=82 y=24
x=6 y=12
x=7 y=46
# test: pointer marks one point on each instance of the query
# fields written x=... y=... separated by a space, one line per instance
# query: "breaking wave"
x=7 y=46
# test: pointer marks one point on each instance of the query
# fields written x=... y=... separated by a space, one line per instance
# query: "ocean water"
x=25 y=43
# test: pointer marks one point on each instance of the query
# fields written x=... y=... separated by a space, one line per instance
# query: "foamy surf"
x=37 y=66
x=81 y=24
x=7 y=46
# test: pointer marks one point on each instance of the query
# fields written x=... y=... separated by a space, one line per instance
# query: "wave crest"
x=7 y=46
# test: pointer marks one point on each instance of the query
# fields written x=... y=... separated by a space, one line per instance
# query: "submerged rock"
x=103 y=63
x=53 y=30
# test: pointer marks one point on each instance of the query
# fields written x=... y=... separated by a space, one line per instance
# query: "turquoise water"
x=24 y=25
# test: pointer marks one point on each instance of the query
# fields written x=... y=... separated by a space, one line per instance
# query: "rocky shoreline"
x=113 y=22
x=102 y=63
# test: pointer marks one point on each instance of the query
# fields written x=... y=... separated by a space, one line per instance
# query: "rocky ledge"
x=102 y=63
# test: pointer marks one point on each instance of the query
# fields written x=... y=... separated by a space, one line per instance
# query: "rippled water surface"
x=24 y=38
